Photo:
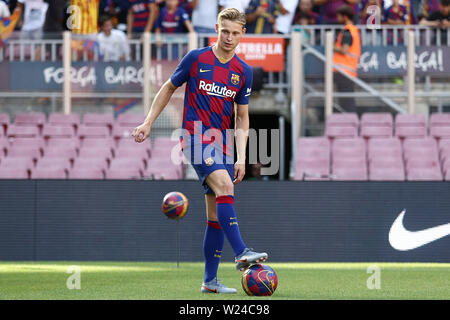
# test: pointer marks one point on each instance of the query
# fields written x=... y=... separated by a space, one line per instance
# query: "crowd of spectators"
x=177 y=16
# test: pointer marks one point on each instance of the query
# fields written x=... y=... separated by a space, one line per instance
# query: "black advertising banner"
x=391 y=61
x=293 y=221
x=91 y=76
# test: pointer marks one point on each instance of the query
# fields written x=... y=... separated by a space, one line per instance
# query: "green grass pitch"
x=149 y=280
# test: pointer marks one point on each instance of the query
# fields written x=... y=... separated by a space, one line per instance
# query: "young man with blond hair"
x=216 y=79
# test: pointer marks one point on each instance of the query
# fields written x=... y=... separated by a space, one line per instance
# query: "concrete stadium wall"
x=293 y=221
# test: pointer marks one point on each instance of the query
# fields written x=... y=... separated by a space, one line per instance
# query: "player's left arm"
x=242 y=124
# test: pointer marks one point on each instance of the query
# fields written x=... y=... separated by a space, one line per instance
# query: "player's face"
x=229 y=34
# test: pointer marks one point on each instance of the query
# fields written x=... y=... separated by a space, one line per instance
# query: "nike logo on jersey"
x=204 y=70
x=404 y=240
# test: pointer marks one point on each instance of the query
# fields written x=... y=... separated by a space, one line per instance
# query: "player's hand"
x=239 y=172
x=141 y=132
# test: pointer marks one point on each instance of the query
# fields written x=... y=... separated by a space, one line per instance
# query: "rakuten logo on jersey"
x=214 y=90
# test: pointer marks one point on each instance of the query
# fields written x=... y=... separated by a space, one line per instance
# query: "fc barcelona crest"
x=235 y=79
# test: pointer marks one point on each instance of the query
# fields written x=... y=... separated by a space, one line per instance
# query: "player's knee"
x=225 y=187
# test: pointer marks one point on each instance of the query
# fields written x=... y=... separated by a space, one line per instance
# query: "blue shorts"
x=209 y=161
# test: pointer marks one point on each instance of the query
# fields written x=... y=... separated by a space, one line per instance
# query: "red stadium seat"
x=343 y=120
x=130 y=120
x=376 y=132
x=132 y=152
x=54 y=163
x=4 y=145
x=29 y=119
x=130 y=143
x=424 y=174
x=377 y=119
x=306 y=142
x=124 y=163
x=73 y=142
x=384 y=153
x=60 y=119
x=420 y=143
x=25 y=152
x=48 y=173
x=440 y=120
x=103 y=153
x=312 y=169
x=98 y=143
x=17 y=163
x=57 y=131
x=440 y=132
x=350 y=173
x=411 y=120
x=86 y=173
x=28 y=142
x=13 y=173
x=386 y=174
x=87 y=132
x=98 y=120
x=341 y=132
x=90 y=163
x=384 y=143
x=410 y=132
x=4 y=123
x=60 y=152
x=15 y=131
x=122 y=132
x=124 y=173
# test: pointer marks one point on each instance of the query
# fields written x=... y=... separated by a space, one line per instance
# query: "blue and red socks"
x=212 y=249
x=228 y=222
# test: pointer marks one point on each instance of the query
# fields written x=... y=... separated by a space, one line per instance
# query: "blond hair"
x=232 y=14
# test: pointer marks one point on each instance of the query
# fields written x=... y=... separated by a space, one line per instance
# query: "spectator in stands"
x=367 y=12
x=261 y=16
x=329 y=9
x=84 y=26
x=302 y=19
x=113 y=43
x=407 y=4
x=241 y=5
x=347 y=51
x=204 y=15
x=4 y=10
x=305 y=11
x=173 y=19
x=118 y=10
x=141 y=16
x=33 y=18
x=396 y=14
x=439 y=19
x=427 y=7
x=187 y=5
x=286 y=16
x=54 y=20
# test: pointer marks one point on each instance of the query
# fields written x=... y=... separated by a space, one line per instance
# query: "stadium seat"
x=28 y=142
x=384 y=153
x=60 y=152
x=130 y=120
x=420 y=143
x=386 y=174
x=343 y=120
x=122 y=132
x=90 y=163
x=377 y=119
x=404 y=132
x=54 y=163
x=64 y=142
x=440 y=120
x=48 y=173
x=163 y=169
x=86 y=173
x=98 y=120
x=17 y=163
x=25 y=152
x=411 y=120
x=376 y=132
x=349 y=173
x=424 y=174
x=103 y=152
x=4 y=145
x=334 y=132
x=393 y=142
x=306 y=142
x=13 y=173
x=312 y=169
x=440 y=132
x=419 y=163
x=15 y=131
x=354 y=143
x=140 y=153
x=4 y=123
x=130 y=143
x=124 y=163
x=98 y=143
x=57 y=131
x=86 y=132
x=29 y=119
x=61 y=119
x=123 y=173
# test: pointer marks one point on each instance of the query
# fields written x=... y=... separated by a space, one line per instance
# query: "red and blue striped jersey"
x=171 y=22
x=141 y=12
x=212 y=88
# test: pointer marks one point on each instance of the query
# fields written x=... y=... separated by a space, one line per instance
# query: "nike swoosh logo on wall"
x=404 y=240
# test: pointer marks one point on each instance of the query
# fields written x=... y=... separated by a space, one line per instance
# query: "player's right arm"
x=180 y=76
x=161 y=100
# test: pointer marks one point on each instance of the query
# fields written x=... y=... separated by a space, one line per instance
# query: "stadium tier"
x=378 y=149
x=98 y=147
